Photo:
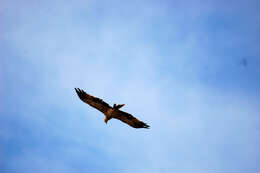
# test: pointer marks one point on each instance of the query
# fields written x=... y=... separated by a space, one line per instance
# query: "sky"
x=190 y=69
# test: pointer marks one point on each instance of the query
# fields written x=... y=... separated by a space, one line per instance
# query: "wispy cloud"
x=174 y=65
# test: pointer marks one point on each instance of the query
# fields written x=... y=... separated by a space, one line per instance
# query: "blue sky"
x=175 y=64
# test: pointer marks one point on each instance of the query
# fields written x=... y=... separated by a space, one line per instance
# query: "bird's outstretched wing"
x=95 y=102
x=129 y=119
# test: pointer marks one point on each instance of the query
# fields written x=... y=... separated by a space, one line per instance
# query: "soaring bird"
x=110 y=112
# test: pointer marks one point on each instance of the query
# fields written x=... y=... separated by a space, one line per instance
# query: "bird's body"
x=108 y=115
x=110 y=112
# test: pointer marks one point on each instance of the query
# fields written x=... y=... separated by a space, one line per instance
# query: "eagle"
x=110 y=112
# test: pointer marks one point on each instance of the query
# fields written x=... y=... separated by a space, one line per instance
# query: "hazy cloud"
x=174 y=65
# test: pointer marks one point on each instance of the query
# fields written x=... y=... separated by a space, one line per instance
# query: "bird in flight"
x=110 y=112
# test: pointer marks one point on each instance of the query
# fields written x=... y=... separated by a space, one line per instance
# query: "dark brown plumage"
x=110 y=112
